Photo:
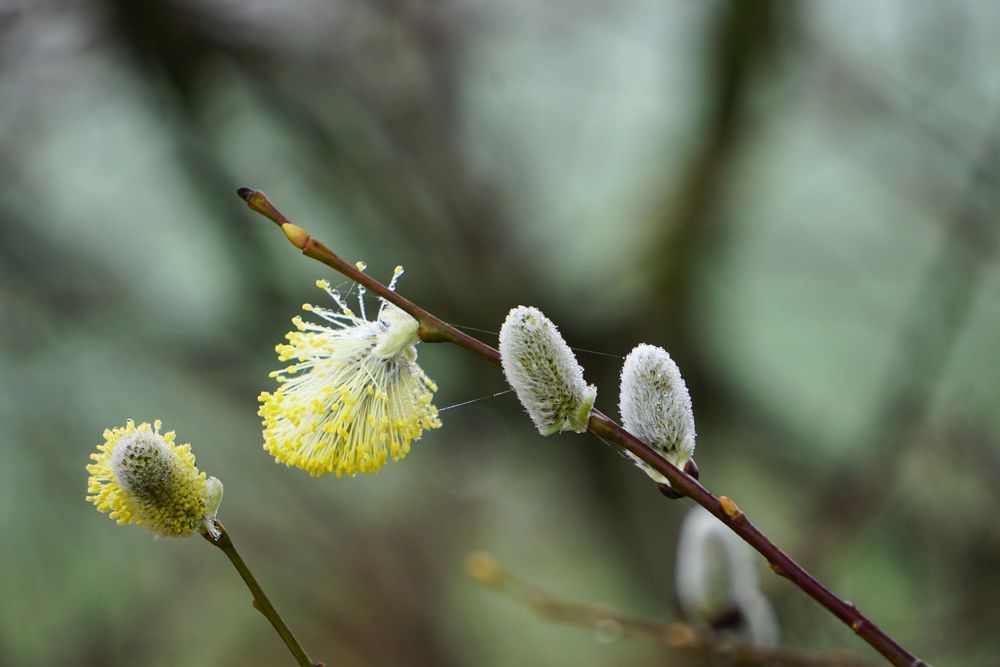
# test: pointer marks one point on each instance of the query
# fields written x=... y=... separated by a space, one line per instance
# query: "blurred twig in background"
x=940 y=306
x=609 y=625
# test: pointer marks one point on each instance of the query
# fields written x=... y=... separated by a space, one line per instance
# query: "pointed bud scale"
x=543 y=372
x=656 y=407
x=139 y=476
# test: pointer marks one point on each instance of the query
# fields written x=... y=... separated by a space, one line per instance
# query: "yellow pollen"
x=354 y=399
x=140 y=476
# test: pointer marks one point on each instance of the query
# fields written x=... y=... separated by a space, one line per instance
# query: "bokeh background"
x=798 y=199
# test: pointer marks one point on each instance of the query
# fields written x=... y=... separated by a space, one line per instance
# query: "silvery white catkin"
x=165 y=492
x=144 y=465
x=656 y=407
x=716 y=575
x=544 y=373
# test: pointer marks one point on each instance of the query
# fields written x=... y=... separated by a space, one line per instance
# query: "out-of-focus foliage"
x=798 y=200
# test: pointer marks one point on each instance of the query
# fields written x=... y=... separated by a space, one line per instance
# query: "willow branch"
x=434 y=330
x=260 y=601
x=484 y=570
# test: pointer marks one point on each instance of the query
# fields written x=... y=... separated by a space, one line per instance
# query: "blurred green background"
x=798 y=199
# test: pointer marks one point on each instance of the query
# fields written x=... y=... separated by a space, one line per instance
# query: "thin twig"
x=260 y=601
x=483 y=569
x=434 y=330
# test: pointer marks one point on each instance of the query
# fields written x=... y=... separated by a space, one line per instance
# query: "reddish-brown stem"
x=435 y=330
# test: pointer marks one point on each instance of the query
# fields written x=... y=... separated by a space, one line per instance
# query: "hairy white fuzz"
x=716 y=576
x=656 y=407
x=544 y=373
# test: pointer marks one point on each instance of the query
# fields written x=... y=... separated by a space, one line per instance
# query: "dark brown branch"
x=435 y=330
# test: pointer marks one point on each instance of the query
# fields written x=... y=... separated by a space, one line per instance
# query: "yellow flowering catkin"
x=139 y=476
x=354 y=395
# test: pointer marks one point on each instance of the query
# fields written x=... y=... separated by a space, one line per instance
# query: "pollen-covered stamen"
x=396 y=273
x=361 y=291
x=139 y=476
x=341 y=303
x=337 y=318
x=355 y=396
